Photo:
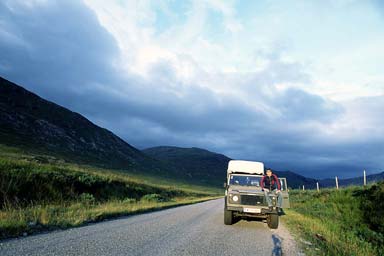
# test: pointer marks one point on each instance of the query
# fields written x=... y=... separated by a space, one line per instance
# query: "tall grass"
x=18 y=156
x=335 y=222
x=22 y=183
x=41 y=193
x=17 y=221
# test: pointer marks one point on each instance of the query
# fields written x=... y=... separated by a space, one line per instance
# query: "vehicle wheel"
x=273 y=220
x=228 y=217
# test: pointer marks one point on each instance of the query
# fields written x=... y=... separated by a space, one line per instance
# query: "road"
x=188 y=230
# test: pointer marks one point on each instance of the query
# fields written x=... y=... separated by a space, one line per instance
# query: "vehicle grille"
x=252 y=200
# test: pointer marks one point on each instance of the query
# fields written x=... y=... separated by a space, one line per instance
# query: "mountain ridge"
x=33 y=123
x=175 y=154
x=41 y=127
x=196 y=162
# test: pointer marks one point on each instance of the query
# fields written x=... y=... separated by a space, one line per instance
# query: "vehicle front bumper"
x=240 y=209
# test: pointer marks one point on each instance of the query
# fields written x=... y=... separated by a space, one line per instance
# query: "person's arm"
x=262 y=182
x=278 y=182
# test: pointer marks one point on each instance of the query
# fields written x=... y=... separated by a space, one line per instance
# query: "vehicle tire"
x=228 y=217
x=273 y=220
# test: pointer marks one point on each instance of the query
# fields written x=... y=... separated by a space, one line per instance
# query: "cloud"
x=107 y=62
x=56 y=42
x=297 y=105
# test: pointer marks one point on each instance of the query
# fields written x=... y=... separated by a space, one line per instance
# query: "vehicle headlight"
x=234 y=198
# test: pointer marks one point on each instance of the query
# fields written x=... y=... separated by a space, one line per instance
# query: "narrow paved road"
x=189 y=230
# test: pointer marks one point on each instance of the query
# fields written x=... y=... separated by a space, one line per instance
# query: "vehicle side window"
x=283 y=184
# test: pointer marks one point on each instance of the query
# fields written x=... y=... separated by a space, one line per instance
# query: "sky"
x=298 y=85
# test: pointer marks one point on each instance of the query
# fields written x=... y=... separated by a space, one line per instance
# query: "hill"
x=39 y=126
x=33 y=123
x=36 y=196
x=295 y=180
x=353 y=181
x=209 y=167
x=196 y=163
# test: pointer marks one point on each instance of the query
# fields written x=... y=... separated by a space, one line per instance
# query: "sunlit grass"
x=16 y=221
x=330 y=222
x=19 y=156
x=41 y=193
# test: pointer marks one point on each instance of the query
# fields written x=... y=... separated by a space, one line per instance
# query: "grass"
x=18 y=155
x=16 y=221
x=337 y=222
x=39 y=192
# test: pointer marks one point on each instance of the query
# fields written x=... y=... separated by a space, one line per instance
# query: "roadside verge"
x=37 y=219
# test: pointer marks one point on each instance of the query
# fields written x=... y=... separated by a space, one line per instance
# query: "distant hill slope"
x=353 y=181
x=197 y=163
x=211 y=167
x=295 y=180
x=30 y=122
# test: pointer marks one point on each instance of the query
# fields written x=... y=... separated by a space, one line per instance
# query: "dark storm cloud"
x=297 y=105
x=60 y=51
x=55 y=44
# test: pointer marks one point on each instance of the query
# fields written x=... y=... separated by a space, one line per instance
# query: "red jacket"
x=270 y=182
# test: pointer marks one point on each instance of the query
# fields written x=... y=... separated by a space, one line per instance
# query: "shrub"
x=87 y=199
x=153 y=198
x=372 y=206
x=129 y=201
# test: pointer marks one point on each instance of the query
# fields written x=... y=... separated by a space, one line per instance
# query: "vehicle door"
x=284 y=192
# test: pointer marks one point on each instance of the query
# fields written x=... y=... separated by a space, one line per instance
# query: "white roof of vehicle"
x=245 y=167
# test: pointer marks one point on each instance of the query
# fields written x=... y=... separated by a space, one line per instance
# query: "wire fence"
x=336 y=184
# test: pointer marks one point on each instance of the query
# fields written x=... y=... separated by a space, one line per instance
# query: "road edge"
x=289 y=246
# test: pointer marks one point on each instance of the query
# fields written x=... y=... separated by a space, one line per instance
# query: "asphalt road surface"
x=188 y=230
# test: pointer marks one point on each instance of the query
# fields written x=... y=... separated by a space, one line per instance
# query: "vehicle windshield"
x=245 y=180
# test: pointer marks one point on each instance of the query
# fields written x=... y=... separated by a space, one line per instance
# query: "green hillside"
x=31 y=122
x=38 y=192
x=41 y=127
x=198 y=164
x=348 y=221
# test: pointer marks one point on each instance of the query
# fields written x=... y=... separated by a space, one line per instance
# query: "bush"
x=87 y=199
x=129 y=201
x=153 y=198
x=372 y=206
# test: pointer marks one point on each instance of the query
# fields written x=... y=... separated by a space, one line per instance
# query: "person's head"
x=269 y=172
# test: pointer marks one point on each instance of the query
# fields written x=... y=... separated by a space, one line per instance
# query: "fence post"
x=303 y=188
x=317 y=185
x=337 y=183
x=365 y=179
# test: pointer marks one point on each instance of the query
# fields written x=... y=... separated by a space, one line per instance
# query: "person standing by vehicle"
x=271 y=186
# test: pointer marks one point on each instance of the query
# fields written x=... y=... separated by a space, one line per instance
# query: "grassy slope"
x=40 y=192
x=197 y=164
x=338 y=222
x=19 y=155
